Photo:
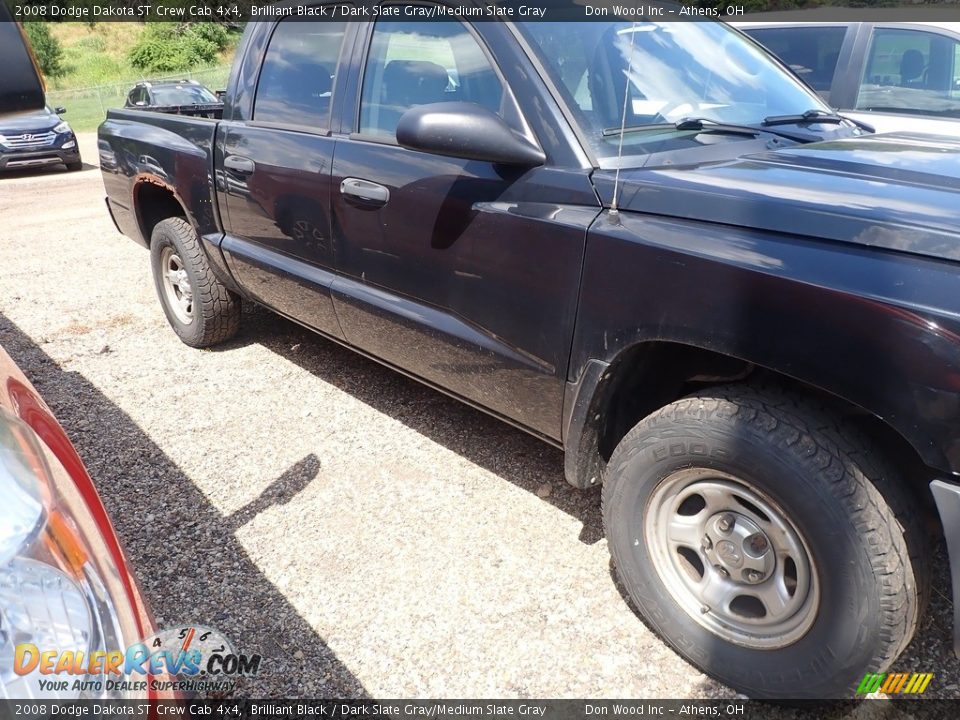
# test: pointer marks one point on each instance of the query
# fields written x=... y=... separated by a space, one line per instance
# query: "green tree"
x=211 y=32
x=165 y=47
x=46 y=48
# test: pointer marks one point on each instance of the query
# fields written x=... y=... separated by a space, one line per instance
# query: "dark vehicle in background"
x=65 y=582
x=21 y=86
x=893 y=76
x=179 y=97
x=38 y=138
x=748 y=335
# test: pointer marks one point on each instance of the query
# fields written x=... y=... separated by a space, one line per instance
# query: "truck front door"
x=463 y=272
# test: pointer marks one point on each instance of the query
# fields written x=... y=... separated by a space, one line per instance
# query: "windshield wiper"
x=712 y=126
x=699 y=124
x=706 y=125
x=638 y=128
x=810 y=116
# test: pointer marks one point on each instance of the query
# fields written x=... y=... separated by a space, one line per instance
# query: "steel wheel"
x=731 y=558
x=765 y=539
x=176 y=285
x=201 y=310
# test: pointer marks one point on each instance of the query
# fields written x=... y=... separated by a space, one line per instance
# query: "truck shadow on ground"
x=493 y=445
x=201 y=572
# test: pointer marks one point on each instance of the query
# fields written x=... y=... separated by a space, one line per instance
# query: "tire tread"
x=867 y=484
x=219 y=308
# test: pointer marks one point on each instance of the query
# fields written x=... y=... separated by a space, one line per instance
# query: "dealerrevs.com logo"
x=894 y=683
x=187 y=659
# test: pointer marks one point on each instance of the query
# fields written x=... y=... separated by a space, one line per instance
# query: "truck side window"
x=811 y=52
x=911 y=71
x=415 y=63
x=296 y=79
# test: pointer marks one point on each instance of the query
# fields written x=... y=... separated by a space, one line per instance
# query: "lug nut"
x=722 y=570
x=754 y=576
x=706 y=543
x=725 y=523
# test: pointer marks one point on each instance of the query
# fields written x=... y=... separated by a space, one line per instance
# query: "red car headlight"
x=63 y=606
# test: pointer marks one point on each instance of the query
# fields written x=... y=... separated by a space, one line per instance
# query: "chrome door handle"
x=368 y=193
x=239 y=164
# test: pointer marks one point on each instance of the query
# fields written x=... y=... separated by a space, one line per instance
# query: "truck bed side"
x=151 y=159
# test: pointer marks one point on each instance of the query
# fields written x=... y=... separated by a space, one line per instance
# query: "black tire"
x=74 y=166
x=864 y=536
x=215 y=310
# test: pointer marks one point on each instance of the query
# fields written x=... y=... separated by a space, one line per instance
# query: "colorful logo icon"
x=894 y=683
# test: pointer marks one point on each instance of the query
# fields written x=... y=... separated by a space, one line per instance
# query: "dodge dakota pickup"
x=645 y=243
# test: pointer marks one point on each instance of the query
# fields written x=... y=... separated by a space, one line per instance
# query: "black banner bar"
x=477 y=709
x=237 y=11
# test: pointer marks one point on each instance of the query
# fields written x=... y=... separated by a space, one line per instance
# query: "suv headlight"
x=63 y=127
x=59 y=587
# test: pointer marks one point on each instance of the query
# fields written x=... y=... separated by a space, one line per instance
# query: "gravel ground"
x=368 y=536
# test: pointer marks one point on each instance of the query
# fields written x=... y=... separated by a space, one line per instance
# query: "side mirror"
x=465 y=130
x=59 y=109
x=21 y=88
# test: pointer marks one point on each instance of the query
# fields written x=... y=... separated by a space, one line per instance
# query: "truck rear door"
x=274 y=175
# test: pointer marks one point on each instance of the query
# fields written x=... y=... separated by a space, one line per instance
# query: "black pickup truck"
x=645 y=243
x=176 y=97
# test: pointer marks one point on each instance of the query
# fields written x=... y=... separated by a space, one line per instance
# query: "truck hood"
x=41 y=120
x=898 y=191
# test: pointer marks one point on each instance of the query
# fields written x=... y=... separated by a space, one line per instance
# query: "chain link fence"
x=87 y=107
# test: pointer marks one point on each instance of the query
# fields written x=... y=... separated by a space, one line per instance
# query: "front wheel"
x=200 y=309
x=766 y=542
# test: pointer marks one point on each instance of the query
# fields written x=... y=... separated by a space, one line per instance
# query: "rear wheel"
x=200 y=309
x=766 y=542
x=74 y=166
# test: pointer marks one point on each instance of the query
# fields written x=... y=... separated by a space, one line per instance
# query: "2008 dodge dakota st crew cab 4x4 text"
x=750 y=334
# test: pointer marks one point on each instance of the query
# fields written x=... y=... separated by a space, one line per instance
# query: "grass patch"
x=94 y=55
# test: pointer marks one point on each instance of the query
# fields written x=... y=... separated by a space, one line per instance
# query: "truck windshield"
x=676 y=70
x=183 y=95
